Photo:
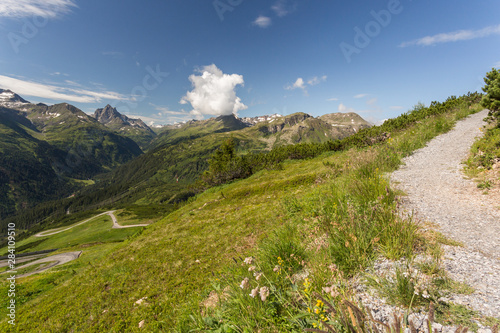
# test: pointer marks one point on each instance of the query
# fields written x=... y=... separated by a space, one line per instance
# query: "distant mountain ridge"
x=59 y=146
x=134 y=129
x=10 y=99
x=45 y=150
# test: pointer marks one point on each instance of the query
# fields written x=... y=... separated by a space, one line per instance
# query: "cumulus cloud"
x=334 y=99
x=454 y=36
x=30 y=88
x=299 y=83
x=28 y=8
x=214 y=93
x=262 y=21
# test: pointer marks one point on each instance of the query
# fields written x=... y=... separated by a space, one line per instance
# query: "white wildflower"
x=254 y=292
x=264 y=292
x=244 y=284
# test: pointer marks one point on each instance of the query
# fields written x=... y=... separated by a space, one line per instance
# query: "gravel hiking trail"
x=438 y=192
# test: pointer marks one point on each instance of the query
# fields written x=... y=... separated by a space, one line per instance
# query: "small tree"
x=225 y=165
x=491 y=100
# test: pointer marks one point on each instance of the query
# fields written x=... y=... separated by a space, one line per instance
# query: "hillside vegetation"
x=484 y=161
x=306 y=225
x=165 y=175
x=47 y=152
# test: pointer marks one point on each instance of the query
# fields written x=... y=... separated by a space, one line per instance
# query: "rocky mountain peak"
x=108 y=114
x=8 y=98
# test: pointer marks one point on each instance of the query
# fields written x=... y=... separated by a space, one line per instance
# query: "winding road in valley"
x=110 y=213
x=62 y=258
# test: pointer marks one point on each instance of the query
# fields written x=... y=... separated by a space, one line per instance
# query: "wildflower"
x=276 y=268
x=264 y=292
x=251 y=268
x=244 y=284
x=257 y=275
x=306 y=285
x=248 y=260
x=319 y=303
x=327 y=289
x=254 y=292
x=316 y=311
x=309 y=309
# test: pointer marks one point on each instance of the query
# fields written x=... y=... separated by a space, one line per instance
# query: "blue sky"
x=173 y=60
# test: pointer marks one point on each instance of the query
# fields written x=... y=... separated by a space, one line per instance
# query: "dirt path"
x=57 y=259
x=117 y=226
x=438 y=192
x=58 y=230
x=5 y=262
x=110 y=213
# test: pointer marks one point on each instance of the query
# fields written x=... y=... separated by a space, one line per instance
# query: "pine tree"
x=491 y=100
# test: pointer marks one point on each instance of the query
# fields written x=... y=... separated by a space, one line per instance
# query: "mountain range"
x=51 y=152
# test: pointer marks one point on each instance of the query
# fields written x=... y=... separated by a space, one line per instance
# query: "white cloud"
x=28 y=8
x=332 y=99
x=214 y=93
x=299 y=83
x=316 y=80
x=361 y=96
x=30 y=88
x=166 y=111
x=284 y=7
x=343 y=108
x=73 y=83
x=497 y=65
x=58 y=73
x=454 y=36
x=372 y=101
x=262 y=21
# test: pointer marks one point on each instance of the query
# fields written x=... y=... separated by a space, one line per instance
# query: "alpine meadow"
x=239 y=167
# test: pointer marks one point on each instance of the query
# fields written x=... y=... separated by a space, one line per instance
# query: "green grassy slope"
x=174 y=134
x=173 y=261
x=97 y=230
